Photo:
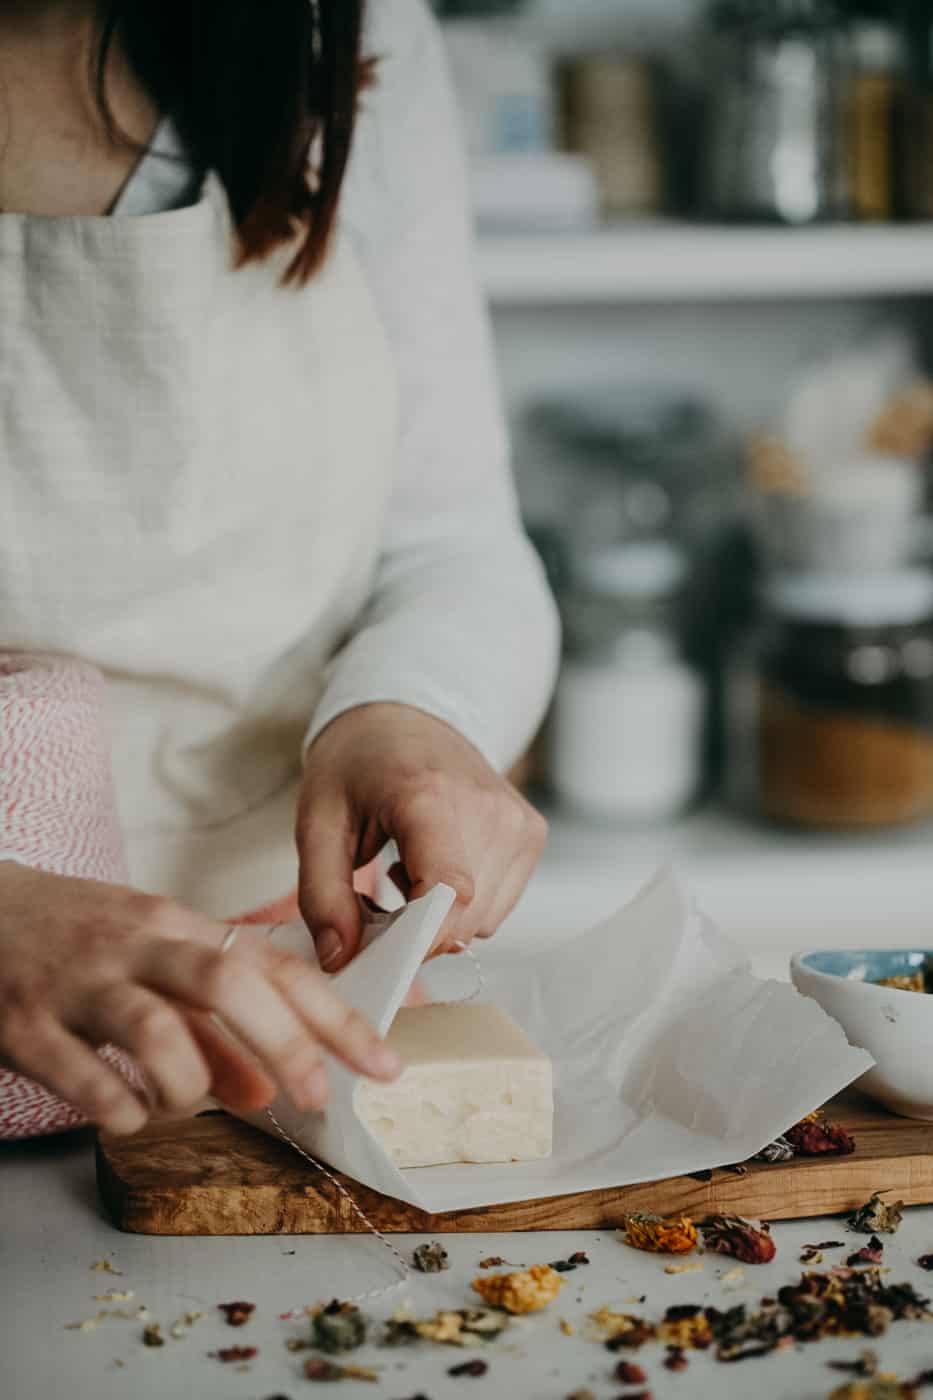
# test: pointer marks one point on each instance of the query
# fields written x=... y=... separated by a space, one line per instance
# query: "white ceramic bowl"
x=895 y=1027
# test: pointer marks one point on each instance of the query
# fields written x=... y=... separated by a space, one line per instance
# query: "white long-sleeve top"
x=459 y=622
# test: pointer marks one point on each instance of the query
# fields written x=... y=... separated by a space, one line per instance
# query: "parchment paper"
x=669 y=1056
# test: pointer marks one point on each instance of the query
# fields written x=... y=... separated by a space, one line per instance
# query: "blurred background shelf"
x=675 y=262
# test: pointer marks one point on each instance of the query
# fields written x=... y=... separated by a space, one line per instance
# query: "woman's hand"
x=390 y=771
x=83 y=964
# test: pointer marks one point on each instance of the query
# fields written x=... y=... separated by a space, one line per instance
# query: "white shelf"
x=666 y=262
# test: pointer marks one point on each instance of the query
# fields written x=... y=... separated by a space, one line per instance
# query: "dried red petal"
x=627 y=1373
x=237 y=1313
x=871 y=1253
x=676 y=1359
x=820 y=1139
x=236 y=1353
x=727 y=1234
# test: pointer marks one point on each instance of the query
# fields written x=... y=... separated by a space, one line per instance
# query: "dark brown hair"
x=255 y=95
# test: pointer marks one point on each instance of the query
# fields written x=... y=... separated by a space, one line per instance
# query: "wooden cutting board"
x=214 y=1175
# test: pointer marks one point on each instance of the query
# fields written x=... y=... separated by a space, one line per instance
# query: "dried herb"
x=780 y=1150
x=627 y=1373
x=495 y=1261
x=870 y=1253
x=866 y=1365
x=813 y=1138
x=926 y=1261
x=880 y=1388
x=104 y=1266
x=875 y=1217
x=460 y=1328
x=236 y=1314
x=676 y=1359
x=911 y=982
x=235 y=1353
x=811 y=1255
x=152 y=1335
x=566 y=1266
x=318 y=1369
x=730 y=1234
x=338 y=1327
x=469 y=1368
x=567 y=1328
x=430 y=1258
x=660 y=1236
x=527 y=1290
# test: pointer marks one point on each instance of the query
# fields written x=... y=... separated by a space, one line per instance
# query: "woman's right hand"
x=84 y=963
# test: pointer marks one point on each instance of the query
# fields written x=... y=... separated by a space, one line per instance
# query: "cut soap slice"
x=475 y=1089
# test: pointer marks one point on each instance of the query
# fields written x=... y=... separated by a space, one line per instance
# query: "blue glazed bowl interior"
x=868 y=964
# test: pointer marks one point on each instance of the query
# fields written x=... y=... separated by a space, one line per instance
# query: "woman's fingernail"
x=329 y=948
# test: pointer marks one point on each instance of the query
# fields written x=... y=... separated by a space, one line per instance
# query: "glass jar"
x=832 y=702
x=625 y=738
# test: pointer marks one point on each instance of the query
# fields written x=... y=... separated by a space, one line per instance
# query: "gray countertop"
x=52 y=1230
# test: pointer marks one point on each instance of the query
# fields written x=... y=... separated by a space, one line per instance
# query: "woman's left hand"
x=381 y=772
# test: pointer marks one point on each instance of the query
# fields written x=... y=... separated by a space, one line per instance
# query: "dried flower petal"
x=780 y=1150
x=926 y=1261
x=811 y=1138
x=876 y=1217
x=229 y=1354
x=627 y=1373
x=338 y=1327
x=430 y=1258
x=527 y=1290
x=476 y=1367
x=495 y=1261
x=319 y=1369
x=659 y=1236
x=733 y=1278
x=115 y=1295
x=866 y=1365
x=621 y=1329
x=881 y=1388
x=462 y=1327
x=871 y=1253
x=811 y=1255
x=690 y=1267
x=730 y=1234
x=676 y=1359
x=236 y=1314
x=567 y=1327
x=152 y=1335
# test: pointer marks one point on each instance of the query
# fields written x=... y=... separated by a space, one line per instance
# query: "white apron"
x=194 y=466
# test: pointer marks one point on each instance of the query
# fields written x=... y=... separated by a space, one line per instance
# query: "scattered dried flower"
x=621 y=1329
x=430 y=1258
x=685 y=1325
x=730 y=1234
x=870 y=1253
x=876 y=1217
x=811 y=1255
x=567 y=1327
x=152 y=1335
x=780 y=1150
x=297 y=1344
x=338 y=1327
x=880 y=1388
x=676 y=1359
x=104 y=1266
x=319 y=1369
x=527 y=1290
x=494 y=1261
x=926 y=1262
x=813 y=1138
x=115 y=1295
x=690 y=1267
x=911 y=982
x=476 y=1367
x=627 y=1373
x=236 y=1314
x=461 y=1327
x=866 y=1365
x=234 y=1354
x=733 y=1278
x=660 y=1236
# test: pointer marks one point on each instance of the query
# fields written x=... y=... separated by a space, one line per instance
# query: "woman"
x=255 y=494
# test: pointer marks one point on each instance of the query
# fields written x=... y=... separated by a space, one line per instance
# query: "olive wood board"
x=214 y=1175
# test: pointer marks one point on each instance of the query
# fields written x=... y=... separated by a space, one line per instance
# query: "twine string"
x=401 y=1264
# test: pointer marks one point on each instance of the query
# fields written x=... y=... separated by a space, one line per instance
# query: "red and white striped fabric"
x=57 y=813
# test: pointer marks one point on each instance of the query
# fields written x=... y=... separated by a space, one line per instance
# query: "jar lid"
x=898 y=597
x=650 y=569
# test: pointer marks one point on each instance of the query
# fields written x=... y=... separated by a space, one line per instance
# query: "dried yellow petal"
x=683 y=1268
x=659 y=1236
x=567 y=1328
x=114 y=1295
x=104 y=1266
x=525 y=1291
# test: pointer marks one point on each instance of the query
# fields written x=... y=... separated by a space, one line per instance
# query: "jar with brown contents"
x=838 y=701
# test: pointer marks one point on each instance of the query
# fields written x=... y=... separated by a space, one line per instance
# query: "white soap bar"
x=475 y=1089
